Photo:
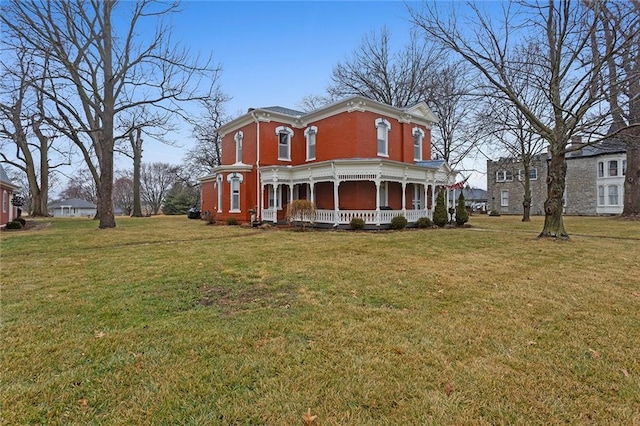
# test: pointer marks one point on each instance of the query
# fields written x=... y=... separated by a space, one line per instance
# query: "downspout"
x=258 y=186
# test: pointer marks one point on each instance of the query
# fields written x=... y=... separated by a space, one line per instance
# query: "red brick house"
x=352 y=158
x=7 y=189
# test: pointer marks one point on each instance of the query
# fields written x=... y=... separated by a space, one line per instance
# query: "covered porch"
x=374 y=190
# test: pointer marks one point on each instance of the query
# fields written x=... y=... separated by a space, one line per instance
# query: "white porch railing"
x=370 y=217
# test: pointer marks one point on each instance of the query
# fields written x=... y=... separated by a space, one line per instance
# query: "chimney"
x=575 y=147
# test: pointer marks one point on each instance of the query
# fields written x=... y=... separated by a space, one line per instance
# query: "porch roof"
x=360 y=169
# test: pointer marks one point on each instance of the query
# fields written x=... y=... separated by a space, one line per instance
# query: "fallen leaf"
x=100 y=334
x=624 y=372
x=594 y=354
x=531 y=343
x=448 y=388
x=308 y=418
x=83 y=402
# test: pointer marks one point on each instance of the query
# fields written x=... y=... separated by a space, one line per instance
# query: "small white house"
x=73 y=207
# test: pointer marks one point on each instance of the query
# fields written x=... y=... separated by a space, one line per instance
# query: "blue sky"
x=275 y=53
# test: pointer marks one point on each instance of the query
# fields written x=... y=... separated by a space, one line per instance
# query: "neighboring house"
x=353 y=158
x=8 y=189
x=594 y=184
x=474 y=198
x=73 y=207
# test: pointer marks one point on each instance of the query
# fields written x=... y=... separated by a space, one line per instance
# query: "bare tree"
x=156 y=180
x=123 y=192
x=207 y=153
x=398 y=78
x=418 y=72
x=571 y=62
x=621 y=27
x=81 y=186
x=100 y=74
x=23 y=126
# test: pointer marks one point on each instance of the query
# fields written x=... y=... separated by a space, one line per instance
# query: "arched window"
x=310 y=134
x=284 y=143
x=418 y=137
x=238 y=138
x=382 y=128
x=234 y=180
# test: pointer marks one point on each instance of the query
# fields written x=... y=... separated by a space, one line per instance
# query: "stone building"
x=594 y=183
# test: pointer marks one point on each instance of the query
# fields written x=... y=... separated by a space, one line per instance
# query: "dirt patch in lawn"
x=233 y=300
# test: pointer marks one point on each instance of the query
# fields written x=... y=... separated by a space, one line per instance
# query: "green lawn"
x=166 y=320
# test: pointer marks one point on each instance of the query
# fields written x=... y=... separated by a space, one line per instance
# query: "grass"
x=165 y=320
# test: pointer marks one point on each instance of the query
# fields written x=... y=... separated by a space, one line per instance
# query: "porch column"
x=336 y=203
x=312 y=193
x=425 y=189
x=377 y=182
x=290 y=185
x=276 y=201
x=404 y=197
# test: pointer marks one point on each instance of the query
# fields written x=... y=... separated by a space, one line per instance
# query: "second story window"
x=533 y=174
x=310 y=135
x=624 y=167
x=504 y=176
x=600 y=169
x=613 y=168
x=418 y=137
x=238 y=138
x=284 y=143
x=382 y=129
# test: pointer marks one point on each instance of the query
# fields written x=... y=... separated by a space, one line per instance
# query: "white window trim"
x=415 y=132
x=5 y=201
x=602 y=195
x=288 y=131
x=502 y=198
x=238 y=138
x=382 y=122
x=600 y=169
x=219 y=189
x=609 y=162
x=609 y=194
x=311 y=130
x=231 y=177
x=501 y=176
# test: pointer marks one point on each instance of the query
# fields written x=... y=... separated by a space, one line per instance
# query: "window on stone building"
x=613 y=168
x=504 y=176
x=600 y=169
x=504 y=198
x=624 y=167
x=613 y=195
x=601 y=195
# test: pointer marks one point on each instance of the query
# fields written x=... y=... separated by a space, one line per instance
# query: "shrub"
x=440 y=212
x=301 y=212
x=14 y=225
x=398 y=222
x=423 y=222
x=356 y=223
x=21 y=220
x=462 y=215
x=494 y=213
x=232 y=221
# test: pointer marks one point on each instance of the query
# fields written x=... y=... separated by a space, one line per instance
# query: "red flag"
x=458 y=185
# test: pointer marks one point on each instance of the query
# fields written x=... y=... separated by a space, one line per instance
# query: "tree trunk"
x=632 y=181
x=553 y=205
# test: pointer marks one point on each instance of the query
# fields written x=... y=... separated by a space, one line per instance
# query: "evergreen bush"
x=232 y=221
x=424 y=222
x=14 y=225
x=440 y=212
x=399 y=222
x=462 y=215
x=21 y=220
x=356 y=223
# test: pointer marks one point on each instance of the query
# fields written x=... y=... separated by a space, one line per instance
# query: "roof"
x=5 y=180
x=419 y=113
x=75 y=203
x=474 y=194
x=609 y=146
x=285 y=111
